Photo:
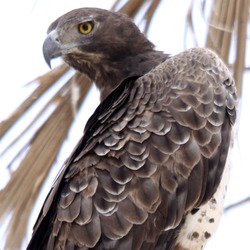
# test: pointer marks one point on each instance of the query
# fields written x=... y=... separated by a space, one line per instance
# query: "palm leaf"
x=229 y=19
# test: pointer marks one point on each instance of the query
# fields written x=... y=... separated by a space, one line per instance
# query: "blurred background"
x=43 y=111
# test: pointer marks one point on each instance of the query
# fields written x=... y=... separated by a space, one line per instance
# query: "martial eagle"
x=148 y=172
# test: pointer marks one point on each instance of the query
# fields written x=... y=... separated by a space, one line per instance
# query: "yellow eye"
x=85 y=28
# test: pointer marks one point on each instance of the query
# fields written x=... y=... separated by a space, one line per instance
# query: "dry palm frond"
x=242 y=18
x=150 y=12
x=45 y=82
x=27 y=180
x=42 y=148
x=229 y=18
x=132 y=8
x=236 y=204
x=190 y=24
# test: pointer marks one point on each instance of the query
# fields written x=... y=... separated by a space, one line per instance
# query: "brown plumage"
x=154 y=151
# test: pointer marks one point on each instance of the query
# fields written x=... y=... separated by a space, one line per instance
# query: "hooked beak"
x=51 y=47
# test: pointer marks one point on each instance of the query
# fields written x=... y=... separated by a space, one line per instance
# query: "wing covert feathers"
x=156 y=153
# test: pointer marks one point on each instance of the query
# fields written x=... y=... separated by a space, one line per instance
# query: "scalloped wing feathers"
x=154 y=150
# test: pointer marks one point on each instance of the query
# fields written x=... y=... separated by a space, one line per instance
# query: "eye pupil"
x=85 y=26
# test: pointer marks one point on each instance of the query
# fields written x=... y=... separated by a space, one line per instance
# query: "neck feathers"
x=108 y=73
x=112 y=73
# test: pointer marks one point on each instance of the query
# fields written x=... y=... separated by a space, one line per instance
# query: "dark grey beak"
x=51 y=48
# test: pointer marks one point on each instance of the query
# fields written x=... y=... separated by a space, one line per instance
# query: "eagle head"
x=88 y=38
